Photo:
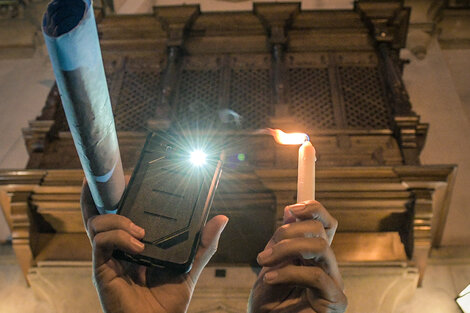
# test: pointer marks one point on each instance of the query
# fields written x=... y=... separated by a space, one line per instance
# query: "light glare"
x=198 y=157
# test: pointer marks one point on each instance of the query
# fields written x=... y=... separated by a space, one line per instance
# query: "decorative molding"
x=176 y=20
x=388 y=21
x=276 y=18
x=15 y=190
x=37 y=134
x=11 y=9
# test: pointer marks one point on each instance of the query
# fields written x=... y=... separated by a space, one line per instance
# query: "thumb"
x=208 y=245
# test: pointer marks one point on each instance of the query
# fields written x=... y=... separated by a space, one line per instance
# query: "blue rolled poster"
x=69 y=29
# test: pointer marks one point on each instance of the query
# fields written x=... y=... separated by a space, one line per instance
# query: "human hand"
x=127 y=287
x=300 y=273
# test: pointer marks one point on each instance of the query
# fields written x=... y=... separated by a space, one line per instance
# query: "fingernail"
x=311 y=235
x=221 y=229
x=139 y=245
x=139 y=231
x=308 y=255
x=287 y=214
x=269 y=276
x=264 y=254
x=297 y=208
x=226 y=222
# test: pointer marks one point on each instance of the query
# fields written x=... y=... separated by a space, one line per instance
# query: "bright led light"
x=198 y=157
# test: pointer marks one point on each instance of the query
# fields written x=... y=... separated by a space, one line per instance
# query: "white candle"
x=307 y=158
x=306 y=173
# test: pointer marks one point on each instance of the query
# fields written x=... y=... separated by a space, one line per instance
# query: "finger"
x=208 y=244
x=301 y=229
x=312 y=209
x=104 y=243
x=288 y=216
x=289 y=249
x=309 y=277
x=87 y=204
x=310 y=249
x=108 y=222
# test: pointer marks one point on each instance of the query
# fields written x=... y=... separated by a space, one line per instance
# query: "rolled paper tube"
x=71 y=37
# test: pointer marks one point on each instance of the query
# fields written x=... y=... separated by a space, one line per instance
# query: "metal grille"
x=250 y=96
x=198 y=97
x=138 y=97
x=364 y=98
x=310 y=98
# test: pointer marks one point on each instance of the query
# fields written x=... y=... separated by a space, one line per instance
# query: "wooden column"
x=388 y=25
x=418 y=237
x=176 y=21
x=22 y=230
x=408 y=129
x=422 y=228
x=276 y=18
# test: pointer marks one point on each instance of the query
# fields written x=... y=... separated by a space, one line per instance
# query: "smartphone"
x=170 y=195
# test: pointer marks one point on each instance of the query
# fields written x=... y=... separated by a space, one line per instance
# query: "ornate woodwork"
x=11 y=8
x=333 y=74
x=383 y=211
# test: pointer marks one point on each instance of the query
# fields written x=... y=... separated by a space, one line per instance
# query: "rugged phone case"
x=170 y=198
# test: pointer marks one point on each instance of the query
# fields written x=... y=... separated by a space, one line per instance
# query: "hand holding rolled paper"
x=71 y=37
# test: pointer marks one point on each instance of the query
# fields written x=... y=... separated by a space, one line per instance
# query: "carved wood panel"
x=138 y=93
x=364 y=99
x=250 y=93
x=197 y=97
x=325 y=90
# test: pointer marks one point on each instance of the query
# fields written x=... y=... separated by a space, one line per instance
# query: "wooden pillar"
x=409 y=132
x=276 y=17
x=388 y=26
x=22 y=231
x=396 y=87
x=423 y=213
x=175 y=20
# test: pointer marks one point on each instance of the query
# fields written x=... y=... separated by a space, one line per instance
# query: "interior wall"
x=24 y=86
x=435 y=97
x=458 y=61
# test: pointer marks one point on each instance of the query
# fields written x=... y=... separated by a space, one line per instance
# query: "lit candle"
x=306 y=166
x=306 y=173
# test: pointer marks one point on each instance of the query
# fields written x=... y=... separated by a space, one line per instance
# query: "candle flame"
x=286 y=138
